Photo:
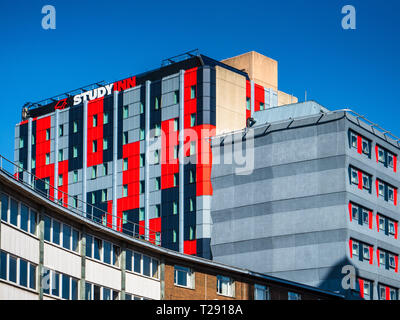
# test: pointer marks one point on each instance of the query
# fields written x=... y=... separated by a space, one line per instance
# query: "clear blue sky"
x=110 y=40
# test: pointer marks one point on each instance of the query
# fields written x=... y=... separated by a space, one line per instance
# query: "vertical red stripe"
x=351 y=248
x=396 y=260
x=360 y=180
x=377 y=187
x=387 y=293
x=370 y=219
x=350 y=211
x=377 y=257
x=371 y=255
x=395 y=163
x=395 y=230
x=395 y=196
x=361 y=284
x=359 y=144
x=377 y=153
x=377 y=222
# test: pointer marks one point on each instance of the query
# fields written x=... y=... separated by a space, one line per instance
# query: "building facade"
x=134 y=154
x=49 y=252
x=322 y=196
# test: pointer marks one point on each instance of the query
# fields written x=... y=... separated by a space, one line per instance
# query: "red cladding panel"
x=361 y=285
x=351 y=248
x=350 y=212
x=377 y=257
x=248 y=95
x=189 y=247
x=359 y=144
x=371 y=255
x=169 y=165
x=370 y=219
x=259 y=96
x=95 y=108
x=394 y=163
x=360 y=180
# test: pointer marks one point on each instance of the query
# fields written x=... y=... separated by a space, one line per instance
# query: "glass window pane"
x=65 y=286
x=97 y=248
x=12 y=263
x=146 y=265
x=47 y=228
x=46 y=280
x=3 y=265
x=96 y=292
x=116 y=252
x=136 y=262
x=88 y=291
x=89 y=240
x=128 y=260
x=24 y=217
x=55 y=291
x=14 y=212
x=107 y=252
x=154 y=268
x=32 y=276
x=74 y=289
x=4 y=207
x=106 y=294
x=56 y=232
x=75 y=240
x=32 y=222
x=23 y=273
x=66 y=237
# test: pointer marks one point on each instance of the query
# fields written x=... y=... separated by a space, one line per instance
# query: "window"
x=60 y=155
x=191 y=204
x=21 y=142
x=156 y=157
x=141 y=187
x=381 y=189
x=105 y=143
x=355 y=248
x=176 y=179
x=354 y=176
x=56 y=230
x=137 y=262
x=125 y=112
x=94 y=172
x=174 y=236
x=192 y=119
x=61 y=130
x=67 y=236
x=125 y=190
x=157 y=183
x=157 y=130
x=225 y=286
x=176 y=124
x=47 y=134
x=262 y=106
x=176 y=97
x=14 y=212
x=105 y=169
x=183 y=276
x=261 y=292
x=294 y=296
x=157 y=103
x=75 y=201
x=125 y=137
x=125 y=165
x=105 y=117
x=141 y=164
x=141 y=134
x=191 y=233
x=104 y=195
x=94 y=120
x=366 y=147
x=75 y=126
x=75 y=176
x=74 y=152
x=192 y=147
x=94 y=146
x=157 y=209
x=174 y=207
x=33 y=139
x=366 y=251
x=141 y=108
x=146 y=265
x=141 y=214
x=366 y=182
x=381 y=155
x=192 y=92
x=248 y=104
x=391 y=194
x=176 y=152
x=33 y=163
x=353 y=140
x=192 y=178
x=97 y=248
x=47 y=158
x=60 y=180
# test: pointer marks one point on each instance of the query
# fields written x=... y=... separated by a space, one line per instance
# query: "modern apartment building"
x=49 y=252
x=134 y=154
x=323 y=194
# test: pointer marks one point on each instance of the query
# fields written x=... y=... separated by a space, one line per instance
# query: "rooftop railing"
x=88 y=211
